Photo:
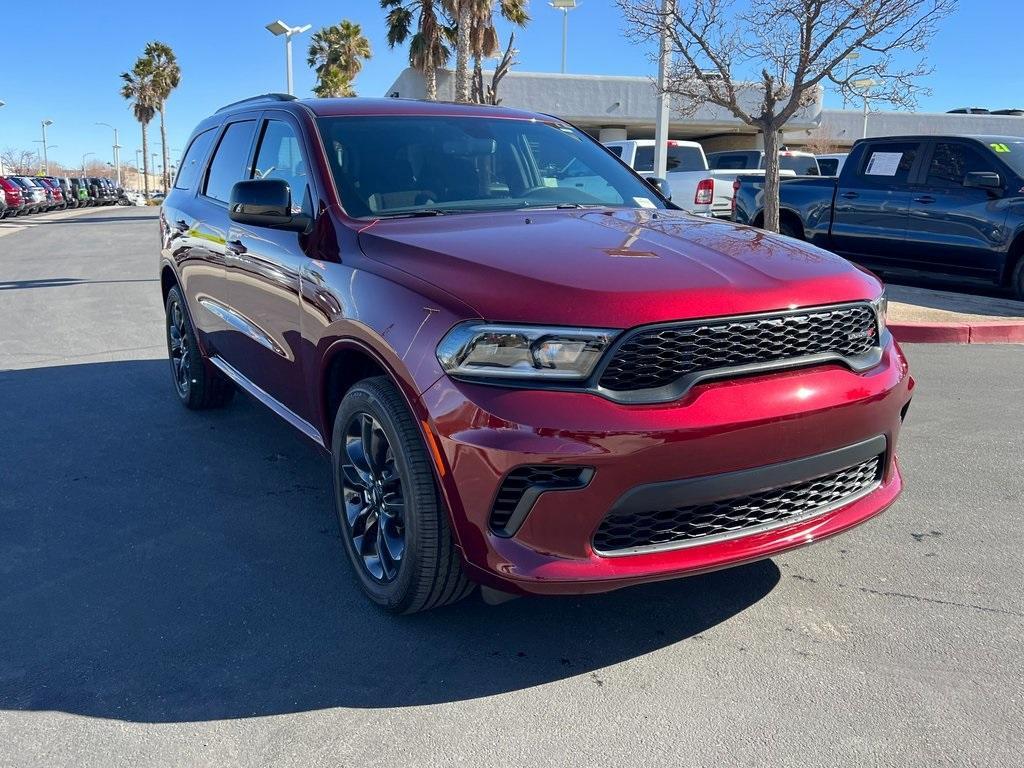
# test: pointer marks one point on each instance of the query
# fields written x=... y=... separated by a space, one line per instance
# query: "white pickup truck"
x=687 y=175
x=726 y=166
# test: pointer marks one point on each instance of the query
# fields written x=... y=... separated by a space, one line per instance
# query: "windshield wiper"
x=413 y=214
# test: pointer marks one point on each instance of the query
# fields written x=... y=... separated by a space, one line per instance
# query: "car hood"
x=612 y=268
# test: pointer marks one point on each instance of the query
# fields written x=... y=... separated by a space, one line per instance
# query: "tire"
x=786 y=228
x=390 y=504
x=198 y=384
x=1017 y=280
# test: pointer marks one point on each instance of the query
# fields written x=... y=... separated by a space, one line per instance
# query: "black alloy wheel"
x=197 y=384
x=393 y=522
x=374 y=498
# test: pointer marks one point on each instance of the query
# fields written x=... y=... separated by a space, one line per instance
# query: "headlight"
x=881 y=305
x=482 y=350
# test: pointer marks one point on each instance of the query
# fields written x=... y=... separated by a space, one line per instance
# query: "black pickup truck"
x=937 y=204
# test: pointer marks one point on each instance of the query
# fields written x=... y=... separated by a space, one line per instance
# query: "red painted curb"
x=959 y=333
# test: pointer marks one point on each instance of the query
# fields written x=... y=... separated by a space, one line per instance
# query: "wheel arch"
x=350 y=360
x=1014 y=256
x=785 y=214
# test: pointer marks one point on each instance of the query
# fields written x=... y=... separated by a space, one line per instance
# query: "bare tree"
x=18 y=162
x=489 y=95
x=786 y=51
x=822 y=141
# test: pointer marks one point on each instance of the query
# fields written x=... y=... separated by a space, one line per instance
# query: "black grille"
x=655 y=357
x=684 y=524
x=534 y=479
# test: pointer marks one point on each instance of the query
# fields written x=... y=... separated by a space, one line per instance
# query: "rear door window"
x=888 y=163
x=229 y=164
x=192 y=164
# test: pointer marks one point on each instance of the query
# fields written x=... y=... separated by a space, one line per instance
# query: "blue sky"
x=226 y=54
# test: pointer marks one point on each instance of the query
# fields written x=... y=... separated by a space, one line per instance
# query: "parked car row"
x=23 y=195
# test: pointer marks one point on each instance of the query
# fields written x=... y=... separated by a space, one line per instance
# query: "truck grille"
x=658 y=356
x=680 y=526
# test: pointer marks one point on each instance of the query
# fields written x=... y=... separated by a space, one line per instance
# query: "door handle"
x=924 y=199
x=849 y=195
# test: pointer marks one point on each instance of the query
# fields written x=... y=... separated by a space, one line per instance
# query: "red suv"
x=531 y=371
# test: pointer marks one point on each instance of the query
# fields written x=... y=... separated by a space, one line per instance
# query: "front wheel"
x=393 y=523
x=1017 y=280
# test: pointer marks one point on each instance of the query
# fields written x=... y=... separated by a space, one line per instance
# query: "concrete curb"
x=959 y=333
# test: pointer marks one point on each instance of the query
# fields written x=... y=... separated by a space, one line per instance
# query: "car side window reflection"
x=280 y=157
x=228 y=164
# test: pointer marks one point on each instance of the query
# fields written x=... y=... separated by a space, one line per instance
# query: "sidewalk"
x=924 y=315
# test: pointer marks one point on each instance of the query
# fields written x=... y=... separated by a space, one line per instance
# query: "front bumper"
x=715 y=428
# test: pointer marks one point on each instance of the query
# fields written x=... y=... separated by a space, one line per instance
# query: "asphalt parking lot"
x=173 y=591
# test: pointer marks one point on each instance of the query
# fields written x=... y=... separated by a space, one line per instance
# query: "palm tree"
x=476 y=36
x=138 y=88
x=166 y=77
x=337 y=54
x=428 y=49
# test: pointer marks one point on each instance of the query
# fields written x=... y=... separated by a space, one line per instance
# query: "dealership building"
x=613 y=108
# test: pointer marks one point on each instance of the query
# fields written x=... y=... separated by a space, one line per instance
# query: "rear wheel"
x=196 y=383
x=393 y=523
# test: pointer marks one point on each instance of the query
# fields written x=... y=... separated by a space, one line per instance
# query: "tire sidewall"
x=174 y=297
x=391 y=595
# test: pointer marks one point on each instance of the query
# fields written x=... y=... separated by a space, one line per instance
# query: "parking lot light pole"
x=278 y=28
x=117 y=153
x=46 y=165
x=661 y=121
x=564 y=6
x=83 y=161
x=865 y=86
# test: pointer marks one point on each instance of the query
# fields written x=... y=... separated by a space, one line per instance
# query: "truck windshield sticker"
x=644 y=202
x=1000 y=147
x=883 y=164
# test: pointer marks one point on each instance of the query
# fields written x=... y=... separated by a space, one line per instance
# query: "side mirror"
x=265 y=203
x=983 y=180
x=661 y=185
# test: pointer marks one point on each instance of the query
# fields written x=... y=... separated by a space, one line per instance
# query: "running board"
x=272 y=403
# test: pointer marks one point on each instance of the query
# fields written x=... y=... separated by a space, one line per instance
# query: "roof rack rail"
x=258 y=99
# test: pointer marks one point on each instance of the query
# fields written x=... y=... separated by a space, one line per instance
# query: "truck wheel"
x=786 y=228
x=196 y=383
x=1017 y=281
x=393 y=523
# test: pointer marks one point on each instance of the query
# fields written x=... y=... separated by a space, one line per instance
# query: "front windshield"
x=1010 y=152
x=428 y=165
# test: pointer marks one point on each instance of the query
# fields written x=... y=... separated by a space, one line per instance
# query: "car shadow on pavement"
x=159 y=565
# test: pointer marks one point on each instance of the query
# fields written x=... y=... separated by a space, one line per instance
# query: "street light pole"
x=664 y=65
x=83 y=161
x=866 y=85
x=848 y=58
x=117 y=153
x=564 y=6
x=46 y=164
x=278 y=28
